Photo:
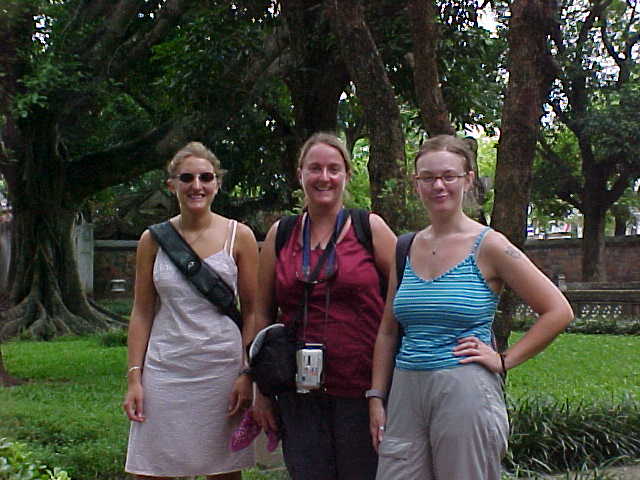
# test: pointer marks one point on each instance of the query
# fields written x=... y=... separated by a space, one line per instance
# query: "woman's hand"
x=264 y=413
x=377 y=420
x=475 y=350
x=241 y=394
x=133 y=401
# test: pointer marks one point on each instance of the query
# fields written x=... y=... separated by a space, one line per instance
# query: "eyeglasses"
x=204 y=177
x=446 y=178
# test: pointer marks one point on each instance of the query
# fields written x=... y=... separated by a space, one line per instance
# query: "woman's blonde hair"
x=198 y=150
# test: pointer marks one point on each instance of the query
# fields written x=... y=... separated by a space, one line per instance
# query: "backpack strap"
x=362 y=227
x=359 y=220
x=402 y=251
x=285 y=227
x=206 y=280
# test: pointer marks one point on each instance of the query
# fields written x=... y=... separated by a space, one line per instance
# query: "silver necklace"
x=193 y=241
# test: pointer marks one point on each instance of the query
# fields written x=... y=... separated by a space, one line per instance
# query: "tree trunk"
x=593 y=242
x=366 y=69
x=529 y=82
x=46 y=294
x=316 y=77
x=425 y=34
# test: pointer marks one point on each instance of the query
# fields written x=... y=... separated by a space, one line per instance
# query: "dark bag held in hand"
x=199 y=273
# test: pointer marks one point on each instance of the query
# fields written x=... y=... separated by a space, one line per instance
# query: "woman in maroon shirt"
x=324 y=427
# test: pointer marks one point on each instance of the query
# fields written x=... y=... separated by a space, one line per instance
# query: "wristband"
x=504 y=368
x=375 y=393
x=246 y=371
x=134 y=368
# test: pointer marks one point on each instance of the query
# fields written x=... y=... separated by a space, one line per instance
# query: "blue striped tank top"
x=436 y=313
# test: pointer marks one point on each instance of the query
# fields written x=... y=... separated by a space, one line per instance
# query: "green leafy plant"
x=556 y=436
x=17 y=463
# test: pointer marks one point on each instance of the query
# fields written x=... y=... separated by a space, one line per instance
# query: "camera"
x=309 y=360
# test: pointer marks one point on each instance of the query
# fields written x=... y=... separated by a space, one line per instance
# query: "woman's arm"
x=245 y=253
x=383 y=361
x=144 y=304
x=505 y=262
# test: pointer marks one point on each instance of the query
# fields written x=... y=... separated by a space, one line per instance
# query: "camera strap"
x=312 y=280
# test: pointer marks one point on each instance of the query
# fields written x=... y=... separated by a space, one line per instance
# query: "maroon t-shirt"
x=349 y=328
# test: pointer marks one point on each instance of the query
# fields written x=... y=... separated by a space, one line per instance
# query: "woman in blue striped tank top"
x=446 y=418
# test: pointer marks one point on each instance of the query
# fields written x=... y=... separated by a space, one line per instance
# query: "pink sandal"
x=272 y=440
x=246 y=432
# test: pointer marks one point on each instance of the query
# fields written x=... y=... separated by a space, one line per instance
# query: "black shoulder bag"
x=199 y=273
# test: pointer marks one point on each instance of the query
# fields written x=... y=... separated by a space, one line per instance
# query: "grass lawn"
x=69 y=413
x=588 y=368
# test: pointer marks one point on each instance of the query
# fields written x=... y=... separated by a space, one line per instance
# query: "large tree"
x=596 y=100
x=78 y=78
x=530 y=77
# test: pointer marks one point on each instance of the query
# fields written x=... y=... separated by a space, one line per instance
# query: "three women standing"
x=446 y=418
x=325 y=430
x=186 y=385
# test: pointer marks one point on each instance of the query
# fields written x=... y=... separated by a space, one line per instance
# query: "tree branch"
x=114 y=166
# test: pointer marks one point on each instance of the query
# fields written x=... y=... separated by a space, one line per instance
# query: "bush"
x=598 y=324
x=16 y=463
x=556 y=436
x=119 y=306
x=116 y=337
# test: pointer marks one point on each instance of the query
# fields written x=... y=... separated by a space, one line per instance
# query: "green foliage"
x=358 y=186
x=113 y=338
x=592 y=324
x=119 y=306
x=17 y=463
x=553 y=437
x=69 y=412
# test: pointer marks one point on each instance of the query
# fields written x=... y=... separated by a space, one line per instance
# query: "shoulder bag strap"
x=199 y=273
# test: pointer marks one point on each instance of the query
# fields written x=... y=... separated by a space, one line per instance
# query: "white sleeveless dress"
x=193 y=357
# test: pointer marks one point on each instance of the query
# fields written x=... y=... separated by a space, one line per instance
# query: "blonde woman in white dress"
x=186 y=386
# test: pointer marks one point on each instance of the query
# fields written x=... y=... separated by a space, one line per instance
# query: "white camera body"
x=309 y=360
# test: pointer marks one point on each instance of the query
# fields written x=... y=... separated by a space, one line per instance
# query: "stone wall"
x=115 y=259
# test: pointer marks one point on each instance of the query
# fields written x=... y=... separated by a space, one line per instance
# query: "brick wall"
x=622 y=257
x=115 y=259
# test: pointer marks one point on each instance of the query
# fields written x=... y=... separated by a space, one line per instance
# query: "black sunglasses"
x=205 y=177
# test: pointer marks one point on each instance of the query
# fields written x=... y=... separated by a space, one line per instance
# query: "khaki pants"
x=448 y=424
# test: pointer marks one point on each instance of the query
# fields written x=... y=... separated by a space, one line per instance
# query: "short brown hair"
x=450 y=143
